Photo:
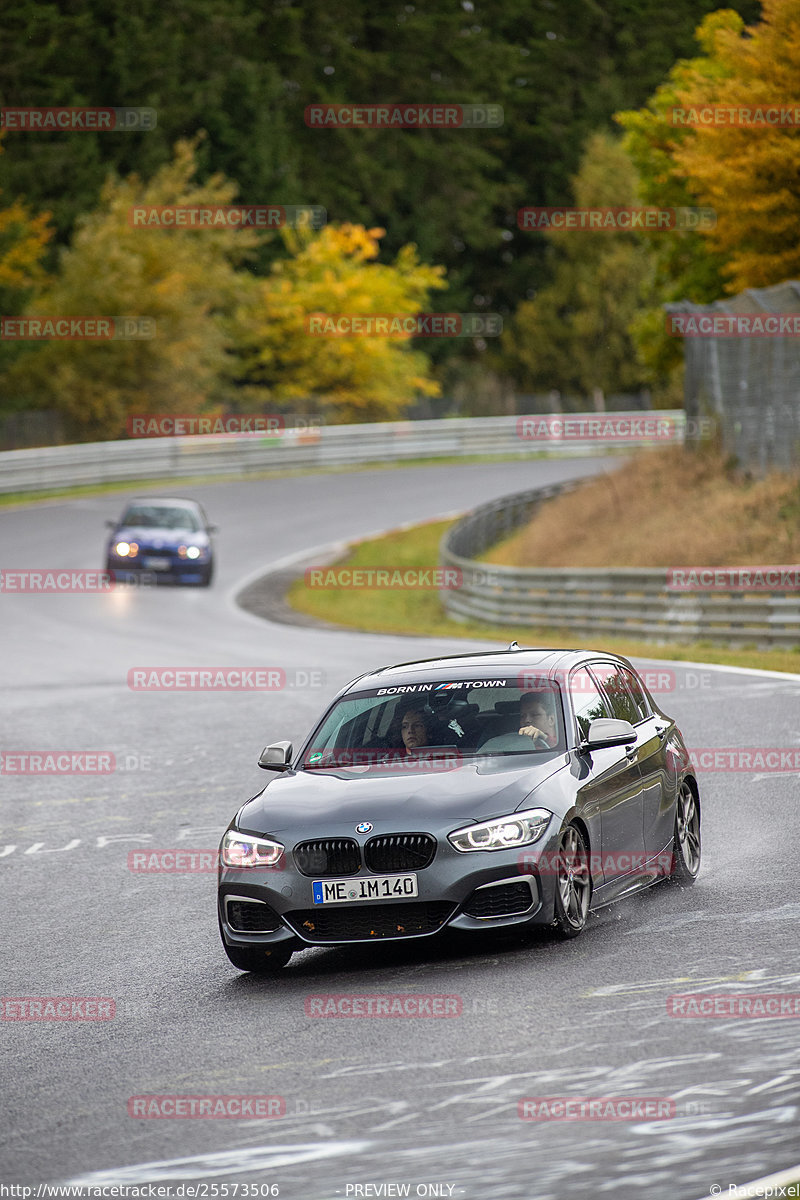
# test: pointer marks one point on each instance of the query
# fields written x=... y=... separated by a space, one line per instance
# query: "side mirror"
x=607 y=731
x=212 y=528
x=110 y=524
x=276 y=757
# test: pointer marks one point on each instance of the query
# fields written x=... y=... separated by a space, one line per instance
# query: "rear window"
x=421 y=724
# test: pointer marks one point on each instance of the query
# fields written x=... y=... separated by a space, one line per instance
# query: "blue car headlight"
x=502 y=833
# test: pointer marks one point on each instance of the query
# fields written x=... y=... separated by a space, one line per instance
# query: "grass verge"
x=669 y=507
x=420 y=612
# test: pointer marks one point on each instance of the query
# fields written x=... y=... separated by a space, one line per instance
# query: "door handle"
x=662 y=731
x=631 y=751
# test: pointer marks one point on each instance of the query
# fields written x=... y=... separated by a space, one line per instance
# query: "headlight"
x=242 y=850
x=126 y=549
x=189 y=551
x=518 y=829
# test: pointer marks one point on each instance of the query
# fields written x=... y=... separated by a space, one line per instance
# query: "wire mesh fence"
x=743 y=369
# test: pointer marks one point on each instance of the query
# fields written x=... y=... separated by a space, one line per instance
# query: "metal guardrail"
x=296 y=448
x=588 y=602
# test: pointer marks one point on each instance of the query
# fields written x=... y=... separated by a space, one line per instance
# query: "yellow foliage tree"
x=23 y=239
x=349 y=379
x=747 y=173
x=185 y=280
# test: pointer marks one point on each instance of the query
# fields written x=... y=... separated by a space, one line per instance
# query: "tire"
x=686 y=843
x=262 y=960
x=573 y=883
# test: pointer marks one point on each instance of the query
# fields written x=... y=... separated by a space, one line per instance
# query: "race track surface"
x=431 y=1104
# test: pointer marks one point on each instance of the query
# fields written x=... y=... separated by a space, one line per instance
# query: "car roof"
x=158 y=500
x=481 y=665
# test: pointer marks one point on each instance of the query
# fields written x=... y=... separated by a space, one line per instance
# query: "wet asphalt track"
x=417 y=1102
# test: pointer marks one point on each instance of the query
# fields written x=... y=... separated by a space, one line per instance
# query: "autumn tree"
x=746 y=172
x=348 y=378
x=23 y=239
x=575 y=334
x=185 y=280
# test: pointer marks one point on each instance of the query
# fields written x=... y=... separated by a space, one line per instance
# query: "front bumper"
x=180 y=570
x=470 y=892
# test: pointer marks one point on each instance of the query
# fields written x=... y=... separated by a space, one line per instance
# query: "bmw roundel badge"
x=364 y=827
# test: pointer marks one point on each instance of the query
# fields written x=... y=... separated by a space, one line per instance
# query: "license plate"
x=383 y=887
x=157 y=564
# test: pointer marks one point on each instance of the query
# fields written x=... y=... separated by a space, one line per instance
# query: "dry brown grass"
x=667 y=507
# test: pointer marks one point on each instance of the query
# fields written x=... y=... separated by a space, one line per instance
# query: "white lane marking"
x=786 y=912
x=223 y=1162
x=619 y=989
x=783 y=676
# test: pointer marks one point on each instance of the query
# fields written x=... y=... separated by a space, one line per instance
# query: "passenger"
x=538 y=720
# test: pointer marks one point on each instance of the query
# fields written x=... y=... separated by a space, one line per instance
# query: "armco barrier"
x=588 y=601
x=326 y=446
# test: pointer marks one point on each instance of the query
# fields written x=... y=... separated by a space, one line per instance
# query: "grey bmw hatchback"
x=484 y=791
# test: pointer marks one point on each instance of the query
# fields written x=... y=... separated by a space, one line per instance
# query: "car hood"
x=147 y=535
x=330 y=803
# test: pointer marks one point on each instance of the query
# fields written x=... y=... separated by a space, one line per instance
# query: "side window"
x=587 y=702
x=615 y=687
x=639 y=698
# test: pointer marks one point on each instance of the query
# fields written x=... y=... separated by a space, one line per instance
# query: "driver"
x=414 y=729
x=537 y=719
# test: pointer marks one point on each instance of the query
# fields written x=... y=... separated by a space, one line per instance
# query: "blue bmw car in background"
x=163 y=537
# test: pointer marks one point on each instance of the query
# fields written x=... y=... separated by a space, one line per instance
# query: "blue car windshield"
x=161 y=516
x=435 y=725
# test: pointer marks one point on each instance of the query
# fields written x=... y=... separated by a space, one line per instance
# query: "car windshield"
x=436 y=724
x=161 y=516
